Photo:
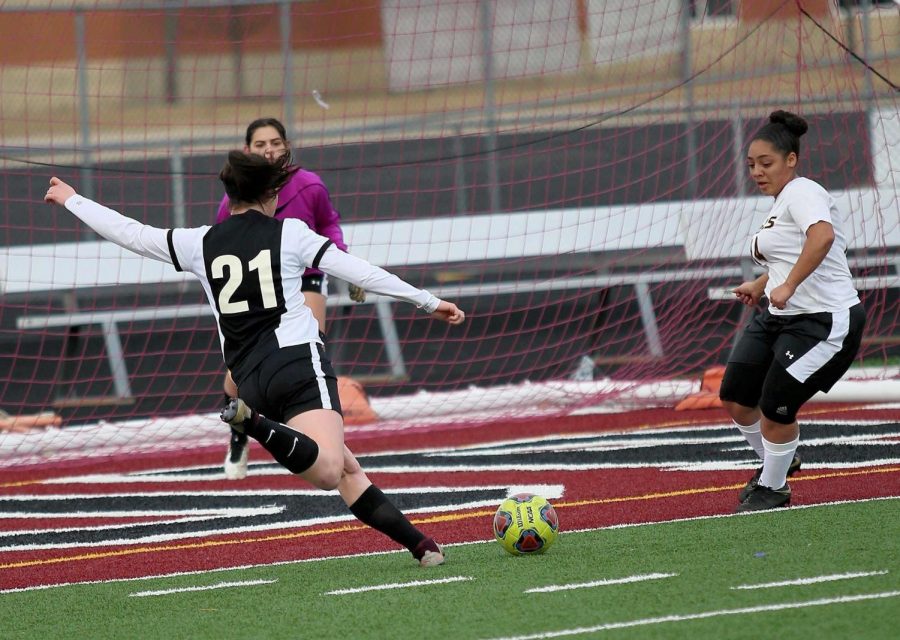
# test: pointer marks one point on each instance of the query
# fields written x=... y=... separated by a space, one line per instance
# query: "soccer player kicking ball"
x=303 y=197
x=250 y=267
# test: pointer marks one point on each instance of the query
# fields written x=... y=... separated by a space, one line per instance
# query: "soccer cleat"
x=237 y=456
x=429 y=553
x=751 y=484
x=762 y=498
x=235 y=413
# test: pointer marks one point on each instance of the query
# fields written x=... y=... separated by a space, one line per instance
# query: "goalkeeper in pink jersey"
x=305 y=198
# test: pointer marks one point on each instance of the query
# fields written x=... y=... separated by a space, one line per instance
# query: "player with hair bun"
x=811 y=331
x=304 y=197
x=251 y=267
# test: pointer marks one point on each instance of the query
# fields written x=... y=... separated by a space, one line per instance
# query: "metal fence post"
x=688 y=88
x=84 y=115
x=459 y=172
x=287 y=89
x=171 y=36
x=490 y=115
x=176 y=164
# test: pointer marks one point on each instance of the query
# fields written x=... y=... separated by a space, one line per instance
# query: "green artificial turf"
x=708 y=555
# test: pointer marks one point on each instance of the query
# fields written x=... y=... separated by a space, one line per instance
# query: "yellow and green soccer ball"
x=526 y=524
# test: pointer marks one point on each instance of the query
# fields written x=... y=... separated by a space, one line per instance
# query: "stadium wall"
x=221 y=54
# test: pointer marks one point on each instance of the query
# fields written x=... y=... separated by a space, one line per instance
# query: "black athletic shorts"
x=780 y=362
x=317 y=282
x=290 y=381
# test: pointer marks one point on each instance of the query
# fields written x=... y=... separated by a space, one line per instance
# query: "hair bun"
x=794 y=123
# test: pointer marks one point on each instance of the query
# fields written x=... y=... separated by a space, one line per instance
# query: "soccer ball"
x=526 y=524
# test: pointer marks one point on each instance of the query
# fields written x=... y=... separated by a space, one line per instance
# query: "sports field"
x=577 y=176
x=161 y=546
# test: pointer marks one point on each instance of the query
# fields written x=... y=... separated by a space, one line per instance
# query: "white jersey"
x=778 y=243
x=251 y=268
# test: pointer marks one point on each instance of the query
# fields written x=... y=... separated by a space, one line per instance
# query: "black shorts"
x=290 y=381
x=780 y=362
x=314 y=281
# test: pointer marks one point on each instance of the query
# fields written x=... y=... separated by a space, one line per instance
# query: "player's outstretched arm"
x=375 y=279
x=130 y=234
x=449 y=312
x=58 y=192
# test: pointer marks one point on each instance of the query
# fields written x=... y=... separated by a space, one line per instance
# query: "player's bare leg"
x=372 y=507
x=290 y=446
x=747 y=421
x=311 y=445
x=755 y=429
x=772 y=489
x=741 y=414
x=326 y=428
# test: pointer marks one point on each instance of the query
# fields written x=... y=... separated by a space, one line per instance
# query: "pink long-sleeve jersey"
x=305 y=198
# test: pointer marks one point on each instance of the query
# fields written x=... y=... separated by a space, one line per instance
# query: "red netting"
x=570 y=172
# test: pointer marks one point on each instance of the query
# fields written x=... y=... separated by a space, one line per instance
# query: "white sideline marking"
x=218 y=585
x=600 y=583
x=397 y=585
x=349 y=556
x=700 y=616
x=800 y=581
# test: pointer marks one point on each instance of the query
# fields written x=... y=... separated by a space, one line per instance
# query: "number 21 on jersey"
x=261 y=264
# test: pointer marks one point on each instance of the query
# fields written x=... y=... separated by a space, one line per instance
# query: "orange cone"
x=708 y=396
x=30 y=422
x=712 y=379
x=355 y=402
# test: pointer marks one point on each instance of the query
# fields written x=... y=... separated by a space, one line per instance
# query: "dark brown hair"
x=252 y=179
x=265 y=122
x=783 y=131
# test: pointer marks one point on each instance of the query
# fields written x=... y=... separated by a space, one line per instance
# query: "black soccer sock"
x=374 y=509
x=238 y=438
x=293 y=450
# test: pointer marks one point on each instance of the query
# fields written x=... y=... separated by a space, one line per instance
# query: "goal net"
x=571 y=173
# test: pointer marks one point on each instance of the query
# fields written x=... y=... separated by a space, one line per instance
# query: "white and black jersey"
x=778 y=243
x=251 y=268
x=240 y=263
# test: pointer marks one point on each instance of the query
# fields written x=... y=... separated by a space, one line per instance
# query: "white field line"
x=490 y=540
x=600 y=583
x=642 y=622
x=814 y=580
x=397 y=585
x=397 y=413
x=218 y=585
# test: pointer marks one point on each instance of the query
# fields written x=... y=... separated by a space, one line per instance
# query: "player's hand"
x=58 y=192
x=749 y=293
x=781 y=294
x=357 y=294
x=449 y=312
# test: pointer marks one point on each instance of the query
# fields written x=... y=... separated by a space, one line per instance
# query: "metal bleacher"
x=711 y=235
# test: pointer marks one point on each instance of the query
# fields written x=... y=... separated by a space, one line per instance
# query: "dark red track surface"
x=592 y=499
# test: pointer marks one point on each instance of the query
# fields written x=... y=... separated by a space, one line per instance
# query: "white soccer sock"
x=754 y=437
x=778 y=459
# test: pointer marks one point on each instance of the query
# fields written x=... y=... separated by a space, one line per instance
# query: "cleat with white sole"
x=429 y=553
x=237 y=457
